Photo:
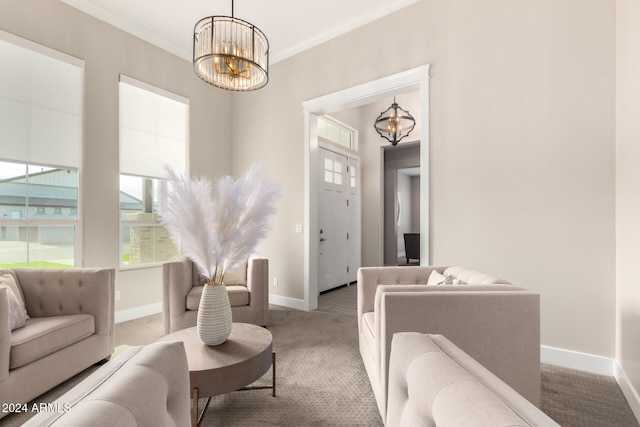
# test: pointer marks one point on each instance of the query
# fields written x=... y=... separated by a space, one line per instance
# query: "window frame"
x=156 y=223
x=71 y=148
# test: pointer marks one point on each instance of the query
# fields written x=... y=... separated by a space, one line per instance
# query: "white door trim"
x=397 y=84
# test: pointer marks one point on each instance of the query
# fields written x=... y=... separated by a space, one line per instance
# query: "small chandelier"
x=230 y=53
x=394 y=123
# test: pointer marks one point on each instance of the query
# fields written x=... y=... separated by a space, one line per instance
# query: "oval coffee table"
x=245 y=357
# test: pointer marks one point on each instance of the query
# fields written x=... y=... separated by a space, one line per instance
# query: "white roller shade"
x=153 y=129
x=40 y=104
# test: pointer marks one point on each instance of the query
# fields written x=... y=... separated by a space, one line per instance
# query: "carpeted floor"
x=577 y=398
x=321 y=379
x=322 y=382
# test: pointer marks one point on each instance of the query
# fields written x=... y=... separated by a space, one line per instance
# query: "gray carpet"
x=321 y=378
x=321 y=381
x=577 y=398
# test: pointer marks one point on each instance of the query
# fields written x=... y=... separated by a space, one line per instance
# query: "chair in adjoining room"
x=412 y=246
x=182 y=285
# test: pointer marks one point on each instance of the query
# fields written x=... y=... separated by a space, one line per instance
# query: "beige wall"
x=628 y=188
x=522 y=114
x=107 y=53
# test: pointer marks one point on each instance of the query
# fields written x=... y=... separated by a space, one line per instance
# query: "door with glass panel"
x=332 y=224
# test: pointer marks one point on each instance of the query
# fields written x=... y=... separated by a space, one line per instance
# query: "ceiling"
x=291 y=26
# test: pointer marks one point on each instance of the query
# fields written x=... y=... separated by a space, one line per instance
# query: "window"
x=153 y=132
x=40 y=145
x=333 y=171
x=332 y=131
x=352 y=182
x=37 y=238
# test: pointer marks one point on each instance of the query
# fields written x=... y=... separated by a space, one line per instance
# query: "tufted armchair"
x=70 y=328
x=182 y=285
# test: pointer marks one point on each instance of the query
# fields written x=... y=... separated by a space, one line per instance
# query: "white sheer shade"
x=40 y=104
x=153 y=130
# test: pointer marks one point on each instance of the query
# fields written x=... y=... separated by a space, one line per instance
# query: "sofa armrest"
x=258 y=282
x=56 y=292
x=5 y=336
x=468 y=392
x=369 y=278
x=497 y=325
x=142 y=386
x=176 y=282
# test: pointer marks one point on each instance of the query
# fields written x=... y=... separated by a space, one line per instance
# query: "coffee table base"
x=196 y=417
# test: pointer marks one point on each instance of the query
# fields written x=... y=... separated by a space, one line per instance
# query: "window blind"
x=41 y=97
x=153 y=129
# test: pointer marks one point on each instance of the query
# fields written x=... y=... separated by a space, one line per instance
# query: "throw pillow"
x=449 y=280
x=16 y=319
x=9 y=280
x=435 y=278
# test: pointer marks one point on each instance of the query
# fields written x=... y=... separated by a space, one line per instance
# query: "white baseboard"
x=138 y=312
x=629 y=391
x=296 y=304
x=147 y=310
x=576 y=360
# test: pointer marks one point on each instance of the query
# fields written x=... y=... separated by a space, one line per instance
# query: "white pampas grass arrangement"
x=219 y=233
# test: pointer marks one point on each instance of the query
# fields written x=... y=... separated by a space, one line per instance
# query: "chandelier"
x=230 y=53
x=394 y=123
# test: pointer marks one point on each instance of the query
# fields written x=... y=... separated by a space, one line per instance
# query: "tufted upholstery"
x=71 y=327
x=182 y=285
x=434 y=383
x=142 y=386
x=497 y=323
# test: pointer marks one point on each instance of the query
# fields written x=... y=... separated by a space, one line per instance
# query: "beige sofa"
x=182 y=285
x=71 y=327
x=496 y=323
x=141 y=387
x=434 y=383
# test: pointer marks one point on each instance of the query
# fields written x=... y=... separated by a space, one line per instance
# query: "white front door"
x=333 y=220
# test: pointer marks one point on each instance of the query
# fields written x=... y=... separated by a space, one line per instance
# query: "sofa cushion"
x=43 y=336
x=237 y=275
x=238 y=296
x=16 y=319
x=9 y=278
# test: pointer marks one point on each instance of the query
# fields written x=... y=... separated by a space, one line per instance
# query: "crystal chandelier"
x=230 y=53
x=394 y=123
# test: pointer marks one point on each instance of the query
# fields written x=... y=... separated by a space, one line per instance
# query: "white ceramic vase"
x=214 y=315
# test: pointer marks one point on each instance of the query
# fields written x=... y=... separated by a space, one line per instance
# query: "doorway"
x=416 y=79
x=338 y=219
x=401 y=202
